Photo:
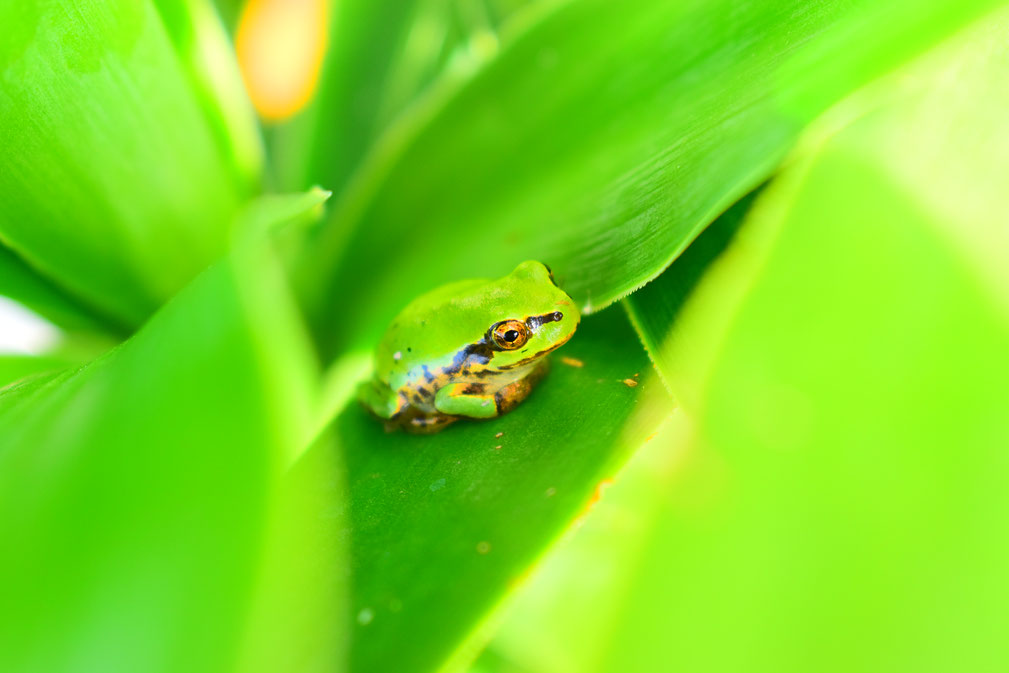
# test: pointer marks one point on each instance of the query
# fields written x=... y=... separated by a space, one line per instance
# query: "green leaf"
x=143 y=499
x=443 y=525
x=113 y=184
x=841 y=503
x=271 y=214
x=382 y=55
x=208 y=59
x=16 y=367
x=24 y=285
x=561 y=619
x=601 y=140
x=655 y=308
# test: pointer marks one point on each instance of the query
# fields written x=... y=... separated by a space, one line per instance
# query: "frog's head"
x=531 y=317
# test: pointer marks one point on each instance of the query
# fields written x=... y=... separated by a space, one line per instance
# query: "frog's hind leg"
x=508 y=397
x=419 y=423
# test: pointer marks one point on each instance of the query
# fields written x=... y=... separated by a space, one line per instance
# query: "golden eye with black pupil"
x=509 y=334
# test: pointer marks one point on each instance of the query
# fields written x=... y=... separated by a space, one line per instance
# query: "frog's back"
x=429 y=331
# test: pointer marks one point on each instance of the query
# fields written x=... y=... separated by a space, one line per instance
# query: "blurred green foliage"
x=603 y=137
x=808 y=237
x=831 y=497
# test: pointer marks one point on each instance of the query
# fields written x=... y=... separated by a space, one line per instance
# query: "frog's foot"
x=419 y=423
x=511 y=395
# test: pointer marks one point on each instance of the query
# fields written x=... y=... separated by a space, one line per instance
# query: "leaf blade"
x=113 y=184
x=648 y=123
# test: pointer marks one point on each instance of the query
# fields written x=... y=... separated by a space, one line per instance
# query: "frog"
x=471 y=349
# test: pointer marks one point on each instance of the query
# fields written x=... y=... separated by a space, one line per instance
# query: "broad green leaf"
x=382 y=55
x=654 y=308
x=24 y=285
x=208 y=59
x=560 y=620
x=841 y=505
x=16 y=367
x=114 y=187
x=142 y=502
x=441 y=526
x=602 y=139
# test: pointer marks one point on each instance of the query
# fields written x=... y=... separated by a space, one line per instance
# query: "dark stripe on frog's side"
x=475 y=389
x=479 y=353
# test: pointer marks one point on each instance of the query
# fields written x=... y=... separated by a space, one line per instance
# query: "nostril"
x=557 y=316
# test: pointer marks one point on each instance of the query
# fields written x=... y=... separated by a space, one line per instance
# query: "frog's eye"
x=509 y=334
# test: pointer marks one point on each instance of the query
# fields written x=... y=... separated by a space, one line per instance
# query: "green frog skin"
x=471 y=349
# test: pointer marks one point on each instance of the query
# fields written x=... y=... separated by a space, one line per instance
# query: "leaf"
x=382 y=57
x=655 y=308
x=113 y=184
x=16 y=367
x=443 y=525
x=208 y=59
x=142 y=497
x=601 y=140
x=271 y=214
x=561 y=619
x=842 y=503
x=22 y=284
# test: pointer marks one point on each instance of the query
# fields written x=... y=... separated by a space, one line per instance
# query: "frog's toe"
x=426 y=423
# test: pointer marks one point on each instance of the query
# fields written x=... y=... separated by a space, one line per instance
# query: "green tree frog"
x=471 y=349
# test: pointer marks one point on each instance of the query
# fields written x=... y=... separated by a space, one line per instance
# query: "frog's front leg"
x=466 y=399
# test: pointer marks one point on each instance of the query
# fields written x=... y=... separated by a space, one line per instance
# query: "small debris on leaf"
x=630 y=383
x=572 y=362
x=482 y=547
